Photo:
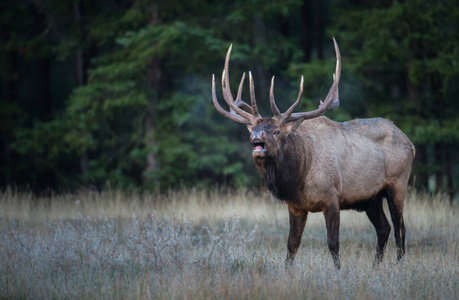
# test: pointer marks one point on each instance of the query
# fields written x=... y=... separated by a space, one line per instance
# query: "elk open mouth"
x=258 y=147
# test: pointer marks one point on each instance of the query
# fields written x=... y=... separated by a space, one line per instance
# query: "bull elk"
x=314 y=164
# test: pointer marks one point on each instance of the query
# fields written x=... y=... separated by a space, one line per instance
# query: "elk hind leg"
x=395 y=198
x=297 y=224
x=377 y=217
x=332 y=220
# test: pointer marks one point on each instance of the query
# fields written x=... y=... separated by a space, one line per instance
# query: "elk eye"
x=277 y=132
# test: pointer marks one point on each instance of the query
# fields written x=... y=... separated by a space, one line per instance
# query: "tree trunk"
x=46 y=178
x=414 y=93
x=10 y=96
x=79 y=58
x=43 y=94
x=259 y=38
x=80 y=70
x=306 y=21
x=154 y=75
x=313 y=29
x=419 y=167
x=439 y=163
x=449 y=161
x=318 y=28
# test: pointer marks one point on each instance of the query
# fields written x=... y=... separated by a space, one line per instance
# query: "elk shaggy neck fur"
x=282 y=172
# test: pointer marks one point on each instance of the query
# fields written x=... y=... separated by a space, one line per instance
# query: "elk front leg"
x=331 y=214
x=297 y=224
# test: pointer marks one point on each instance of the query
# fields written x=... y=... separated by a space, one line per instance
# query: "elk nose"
x=258 y=134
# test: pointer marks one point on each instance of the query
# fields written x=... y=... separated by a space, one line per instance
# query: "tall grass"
x=201 y=245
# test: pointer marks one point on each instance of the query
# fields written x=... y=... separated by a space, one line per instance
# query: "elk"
x=315 y=164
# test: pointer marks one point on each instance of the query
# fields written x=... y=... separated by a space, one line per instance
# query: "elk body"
x=317 y=165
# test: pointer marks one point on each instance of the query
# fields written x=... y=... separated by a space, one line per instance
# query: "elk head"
x=268 y=134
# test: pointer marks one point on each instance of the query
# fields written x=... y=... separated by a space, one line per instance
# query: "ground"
x=214 y=245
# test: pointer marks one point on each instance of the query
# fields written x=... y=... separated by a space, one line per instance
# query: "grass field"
x=220 y=245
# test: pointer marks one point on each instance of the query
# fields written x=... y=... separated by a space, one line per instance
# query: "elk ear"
x=293 y=126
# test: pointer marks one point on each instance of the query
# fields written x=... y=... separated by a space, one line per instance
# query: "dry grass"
x=220 y=245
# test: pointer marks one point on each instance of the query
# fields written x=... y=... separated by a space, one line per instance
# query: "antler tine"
x=337 y=75
x=275 y=110
x=236 y=113
x=335 y=96
x=227 y=95
x=338 y=62
x=234 y=108
x=225 y=77
x=234 y=117
x=239 y=102
x=287 y=114
x=253 y=100
x=228 y=98
x=239 y=91
x=332 y=96
x=226 y=90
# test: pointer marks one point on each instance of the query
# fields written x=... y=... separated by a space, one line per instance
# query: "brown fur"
x=315 y=164
x=325 y=166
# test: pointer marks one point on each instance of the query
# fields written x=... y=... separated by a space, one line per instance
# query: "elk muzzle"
x=258 y=141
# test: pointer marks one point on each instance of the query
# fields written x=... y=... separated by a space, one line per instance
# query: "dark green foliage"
x=404 y=58
x=144 y=90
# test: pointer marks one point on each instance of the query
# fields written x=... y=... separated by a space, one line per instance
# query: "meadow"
x=195 y=244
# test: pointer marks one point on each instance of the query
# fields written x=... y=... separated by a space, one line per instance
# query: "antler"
x=236 y=112
x=331 y=101
x=241 y=112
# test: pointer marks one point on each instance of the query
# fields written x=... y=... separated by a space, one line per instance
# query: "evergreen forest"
x=118 y=92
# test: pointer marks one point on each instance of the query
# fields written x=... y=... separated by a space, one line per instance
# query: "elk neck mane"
x=284 y=173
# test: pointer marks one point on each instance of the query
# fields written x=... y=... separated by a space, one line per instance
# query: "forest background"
x=118 y=92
